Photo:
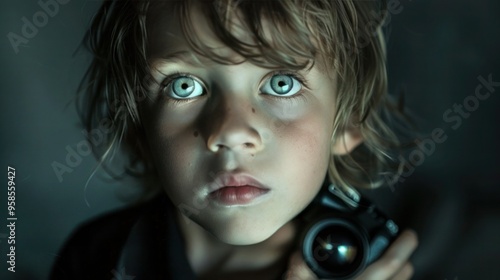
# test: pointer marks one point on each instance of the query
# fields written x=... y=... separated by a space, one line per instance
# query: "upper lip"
x=234 y=180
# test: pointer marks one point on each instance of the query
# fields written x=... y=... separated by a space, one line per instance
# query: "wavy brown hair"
x=344 y=36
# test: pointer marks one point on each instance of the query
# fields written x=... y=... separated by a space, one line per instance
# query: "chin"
x=243 y=238
x=243 y=235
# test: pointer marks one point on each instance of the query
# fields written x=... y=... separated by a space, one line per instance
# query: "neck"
x=212 y=259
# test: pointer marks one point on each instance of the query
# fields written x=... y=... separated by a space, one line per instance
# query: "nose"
x=233 y=128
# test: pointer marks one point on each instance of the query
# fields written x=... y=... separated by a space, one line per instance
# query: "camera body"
x=345 y=233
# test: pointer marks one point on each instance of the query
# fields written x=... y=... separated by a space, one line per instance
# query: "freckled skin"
x=283 y=144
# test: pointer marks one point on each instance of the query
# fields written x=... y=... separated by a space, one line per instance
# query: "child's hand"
x=393 y=264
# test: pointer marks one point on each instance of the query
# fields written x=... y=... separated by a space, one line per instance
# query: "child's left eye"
x=283 y=85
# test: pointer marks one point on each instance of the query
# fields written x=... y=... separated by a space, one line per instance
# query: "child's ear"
x=347 y=141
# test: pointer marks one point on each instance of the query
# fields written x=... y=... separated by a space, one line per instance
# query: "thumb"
x=298 y=269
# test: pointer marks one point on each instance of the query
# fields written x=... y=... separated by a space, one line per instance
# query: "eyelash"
x=299 y=95
x=295 y=97
x=169 y=79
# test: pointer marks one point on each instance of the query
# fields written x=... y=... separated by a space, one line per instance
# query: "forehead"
x=167 y=35
x=227 y=34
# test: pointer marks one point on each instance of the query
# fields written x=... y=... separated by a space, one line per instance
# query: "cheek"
x=174 y=146
x=169 y=132
x=308 y=137
x=304 y=156
x=177 y=161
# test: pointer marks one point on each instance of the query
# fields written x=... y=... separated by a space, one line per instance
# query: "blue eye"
x=184 y=87
x=282 y=85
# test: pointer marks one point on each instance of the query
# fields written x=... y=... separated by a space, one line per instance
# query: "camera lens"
x=335 y=249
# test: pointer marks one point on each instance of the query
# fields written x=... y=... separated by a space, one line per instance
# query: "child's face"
x=235 y=124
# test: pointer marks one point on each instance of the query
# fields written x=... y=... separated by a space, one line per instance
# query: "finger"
x=298 y=269
x=405 y=273
x=395 y=257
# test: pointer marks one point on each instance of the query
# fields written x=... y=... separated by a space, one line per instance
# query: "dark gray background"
x=437 y=50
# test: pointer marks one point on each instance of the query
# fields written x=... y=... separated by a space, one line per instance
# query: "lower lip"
x=240 y=195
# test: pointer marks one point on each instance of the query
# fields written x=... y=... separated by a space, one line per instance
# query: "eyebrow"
x=186 y=57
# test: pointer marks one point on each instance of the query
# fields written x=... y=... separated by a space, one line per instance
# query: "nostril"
x=248 y=145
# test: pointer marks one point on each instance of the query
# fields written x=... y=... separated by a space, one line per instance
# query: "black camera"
x=345 y=233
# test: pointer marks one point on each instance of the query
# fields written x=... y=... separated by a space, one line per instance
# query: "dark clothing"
x=141 y=242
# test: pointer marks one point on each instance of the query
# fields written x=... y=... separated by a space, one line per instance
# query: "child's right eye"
x=184 y=87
